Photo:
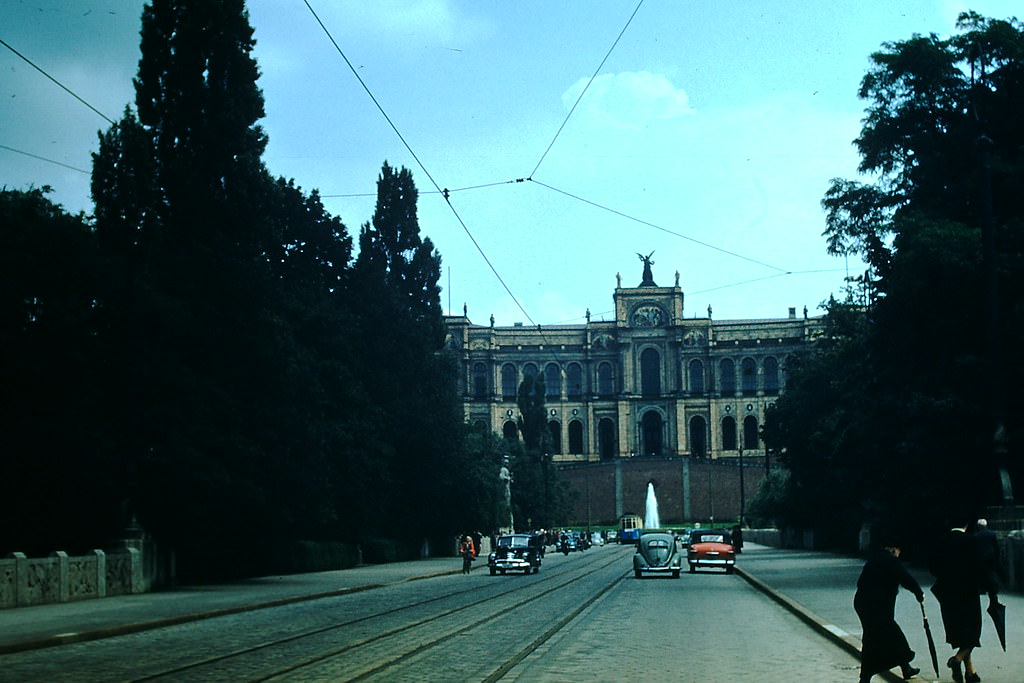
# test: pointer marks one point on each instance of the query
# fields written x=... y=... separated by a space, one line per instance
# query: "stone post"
x=101 y=573
x=20 y=578
x=137 y=578
x=63 y=583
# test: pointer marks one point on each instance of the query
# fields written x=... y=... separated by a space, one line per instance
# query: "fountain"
x=651 y=518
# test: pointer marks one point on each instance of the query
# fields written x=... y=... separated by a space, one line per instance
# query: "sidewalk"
x=819 y=588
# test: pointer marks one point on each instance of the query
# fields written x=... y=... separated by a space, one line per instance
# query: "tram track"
x=388 y=638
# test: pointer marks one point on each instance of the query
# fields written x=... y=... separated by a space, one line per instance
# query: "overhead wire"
x=782 y=271
x=422 y=166
x=49 y=161
x=585 y=88
x=59 y=84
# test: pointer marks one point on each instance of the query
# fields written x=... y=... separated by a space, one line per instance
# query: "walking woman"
x=960 y=577
x=885 y=646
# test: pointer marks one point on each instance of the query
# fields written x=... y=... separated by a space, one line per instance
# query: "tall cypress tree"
x=398 y=296
x=181 y=196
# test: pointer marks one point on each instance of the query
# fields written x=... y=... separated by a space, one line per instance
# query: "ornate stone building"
x=649 y=382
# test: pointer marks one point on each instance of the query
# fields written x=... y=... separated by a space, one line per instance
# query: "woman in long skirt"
x=884 y=645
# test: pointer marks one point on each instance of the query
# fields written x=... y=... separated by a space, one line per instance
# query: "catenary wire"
x=49 y=161
x=782 y=271
x=584 y=91
x=59 y=84
x=419 y=162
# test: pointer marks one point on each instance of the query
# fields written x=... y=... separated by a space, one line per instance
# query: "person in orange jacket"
x=468 y=553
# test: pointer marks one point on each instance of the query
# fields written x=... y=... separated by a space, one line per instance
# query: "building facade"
x=651 y=382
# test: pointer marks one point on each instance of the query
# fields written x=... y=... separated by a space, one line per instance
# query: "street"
x=583 y=617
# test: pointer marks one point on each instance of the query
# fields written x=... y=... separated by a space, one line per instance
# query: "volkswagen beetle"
x=656 y=554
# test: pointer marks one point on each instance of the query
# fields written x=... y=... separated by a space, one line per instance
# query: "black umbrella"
x=931 y=641
x=997 y=611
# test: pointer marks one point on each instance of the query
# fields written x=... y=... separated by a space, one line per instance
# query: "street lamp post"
x=743 y=493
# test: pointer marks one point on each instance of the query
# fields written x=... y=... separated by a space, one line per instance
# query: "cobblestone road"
x=701 y=627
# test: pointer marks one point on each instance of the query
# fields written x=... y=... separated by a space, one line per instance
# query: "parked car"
x=516 y=552
x=711 y=548
x=656 y=554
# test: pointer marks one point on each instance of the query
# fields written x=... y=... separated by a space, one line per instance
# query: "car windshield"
x=711 y=538
x=513 y=542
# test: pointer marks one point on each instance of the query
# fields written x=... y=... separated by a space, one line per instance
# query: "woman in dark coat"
x=959 y=578
x=884 y=646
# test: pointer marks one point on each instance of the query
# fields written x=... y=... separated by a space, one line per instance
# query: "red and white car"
x=711 y=548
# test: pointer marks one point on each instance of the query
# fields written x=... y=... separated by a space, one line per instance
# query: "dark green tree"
x=538 y=495
x=59 y=488
x=894 y=418
x=411 y=384
x=221 y=384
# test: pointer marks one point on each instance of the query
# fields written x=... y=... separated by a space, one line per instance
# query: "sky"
x=706 y=135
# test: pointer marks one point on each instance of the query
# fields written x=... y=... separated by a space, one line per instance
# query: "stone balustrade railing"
x=60 y=577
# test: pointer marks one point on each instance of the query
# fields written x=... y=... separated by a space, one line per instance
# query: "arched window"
x=748 y=369
x=553 y=381
x=697 y=435
x=574 y=382
x=605 y=380
x=508 y=382
x=728 y=433
x=479 y=380
x=510 y=430
x=750 y=437
x=771 y=376
x=650 y=372
x=606 y=438
x=529 y=370
x=576 y=437
x=695 y=377
x=650 y=425
x=555 y=432
x=727 y=374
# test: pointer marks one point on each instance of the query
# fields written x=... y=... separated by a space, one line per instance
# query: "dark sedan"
x=516 y=552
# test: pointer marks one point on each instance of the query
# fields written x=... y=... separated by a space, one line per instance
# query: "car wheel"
x=675 y=574
x=693 y=569
x=637 y=573
x=493 y=571
x=728 y=570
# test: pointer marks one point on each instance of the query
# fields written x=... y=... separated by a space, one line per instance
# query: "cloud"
x=630 y=99
x=438 y=21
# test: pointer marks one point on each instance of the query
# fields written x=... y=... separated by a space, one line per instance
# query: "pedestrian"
x=988 y=550
x=737 y=538
x=885 y=645
x=959 y=577
x=468 y=552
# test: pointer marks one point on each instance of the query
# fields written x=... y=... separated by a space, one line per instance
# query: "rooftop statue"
x=648 y=280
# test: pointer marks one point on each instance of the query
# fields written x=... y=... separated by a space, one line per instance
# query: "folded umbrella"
x=997 y=611
x=931 y=641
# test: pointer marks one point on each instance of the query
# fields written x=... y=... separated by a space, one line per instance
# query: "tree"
x=538 y=493
x=55 y=466
x=220 y=385
x=417 y=416
x=890 y=417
